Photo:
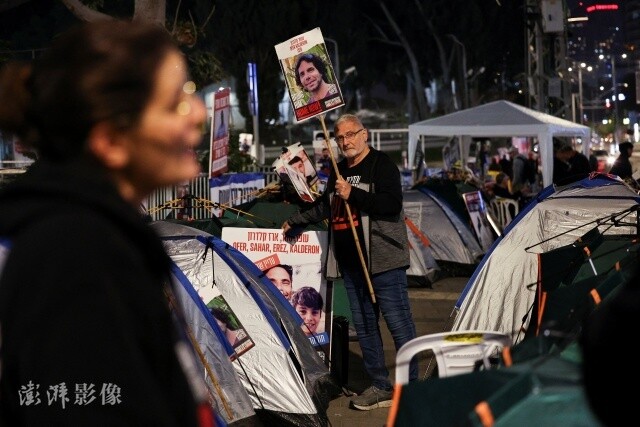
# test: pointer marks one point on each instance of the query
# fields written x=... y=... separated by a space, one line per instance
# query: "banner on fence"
x=234 y=189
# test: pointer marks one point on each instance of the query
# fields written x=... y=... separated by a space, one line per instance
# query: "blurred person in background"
x=87 y=334
x=622 y=166
x=560 y=165
x=520 y=165
x=325 y=162
x=579 y=167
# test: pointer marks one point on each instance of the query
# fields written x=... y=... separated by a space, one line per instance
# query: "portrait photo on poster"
x=221 y=123
x=230 y=325
x=289 y=176
x=302 y=286
x=311 y=81
x=302 y=164
x=294 y=167
x=294 y=267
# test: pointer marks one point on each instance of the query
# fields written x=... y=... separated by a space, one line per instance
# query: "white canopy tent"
x=500 y=119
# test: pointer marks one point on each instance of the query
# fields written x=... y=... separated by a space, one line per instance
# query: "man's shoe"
x=372 y=398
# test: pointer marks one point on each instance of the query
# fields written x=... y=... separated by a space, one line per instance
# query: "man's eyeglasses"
x=347 y=136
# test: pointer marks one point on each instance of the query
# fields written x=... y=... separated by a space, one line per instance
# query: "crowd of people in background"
x=516 y=175
x=569 y=165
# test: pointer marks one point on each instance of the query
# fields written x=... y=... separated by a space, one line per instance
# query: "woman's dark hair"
x=224 y=317
x=308 y=297
x=95 y=72
x=316 y=61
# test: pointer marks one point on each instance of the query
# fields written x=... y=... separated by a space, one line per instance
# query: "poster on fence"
x=219 y=145
x=294 y=266
x=478 y=212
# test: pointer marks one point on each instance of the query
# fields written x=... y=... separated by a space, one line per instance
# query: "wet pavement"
x=433 y=311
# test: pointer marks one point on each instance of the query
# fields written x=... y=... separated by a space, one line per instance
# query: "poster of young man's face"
x=311 y=81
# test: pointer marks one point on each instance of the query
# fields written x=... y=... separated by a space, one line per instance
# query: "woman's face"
x=162 y=146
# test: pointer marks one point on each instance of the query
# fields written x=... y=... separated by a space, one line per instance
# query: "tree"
x=492 y=36
x=398 y=47
x=186 y=31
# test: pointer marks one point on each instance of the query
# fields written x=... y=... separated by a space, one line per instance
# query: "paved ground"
x=432 y=312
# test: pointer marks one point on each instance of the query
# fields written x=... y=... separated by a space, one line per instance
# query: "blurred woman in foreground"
x=86 y=334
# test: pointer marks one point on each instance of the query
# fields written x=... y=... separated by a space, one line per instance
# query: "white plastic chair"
x=502 y=210
x=455 y=352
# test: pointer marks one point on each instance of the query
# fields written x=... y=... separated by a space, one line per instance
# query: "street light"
x=581 y=66
x=615 y=96
x=615 y=100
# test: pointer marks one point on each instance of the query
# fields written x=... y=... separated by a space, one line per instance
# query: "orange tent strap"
x=596 y=296
x=483 y=410
x=393 y=411
x=541 y=311
x=538 y=289
x=423 y=238
x=506 y=356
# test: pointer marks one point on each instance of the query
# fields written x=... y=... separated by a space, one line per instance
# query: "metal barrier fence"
x=165 y=203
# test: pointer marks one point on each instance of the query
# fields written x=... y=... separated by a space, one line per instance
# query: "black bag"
x=340 y=349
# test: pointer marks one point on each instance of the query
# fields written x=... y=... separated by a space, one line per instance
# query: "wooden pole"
x=353 y=227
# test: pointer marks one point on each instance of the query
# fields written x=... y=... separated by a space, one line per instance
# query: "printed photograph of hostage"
x=312 y=77
x=281 y=276
x=291 y=176
x=308 y=303
x=301 y=163
x=311 y=81
x=230 y=325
